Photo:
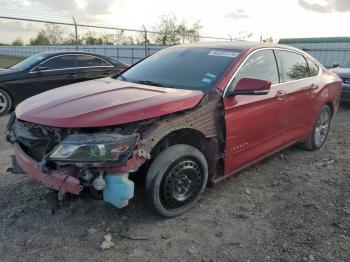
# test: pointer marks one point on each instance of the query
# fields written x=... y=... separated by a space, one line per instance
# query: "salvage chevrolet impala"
x=178 y=120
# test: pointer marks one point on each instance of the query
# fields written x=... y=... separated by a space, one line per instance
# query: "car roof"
x=53 y=53
x=237 y=45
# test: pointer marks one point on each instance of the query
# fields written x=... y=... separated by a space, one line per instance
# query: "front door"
x=254 y=123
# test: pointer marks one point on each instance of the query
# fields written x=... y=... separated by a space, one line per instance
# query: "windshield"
x=346 y=64
x=182 y=67
x=26 y=63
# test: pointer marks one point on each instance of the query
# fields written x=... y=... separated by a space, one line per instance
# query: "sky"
x=222 y=18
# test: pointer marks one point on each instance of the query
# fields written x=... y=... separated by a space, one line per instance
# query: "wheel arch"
x=209 y=146
x=185 y=135
x=331 y=106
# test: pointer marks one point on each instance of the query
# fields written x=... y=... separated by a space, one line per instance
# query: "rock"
x=311 y=258
x=346 y=211
x=218 y=234
x=107 y=243
x=92 y=230
x=191 y=251
x=165 y=236
x=319 y=164
x=330 y=161
x=248 y=192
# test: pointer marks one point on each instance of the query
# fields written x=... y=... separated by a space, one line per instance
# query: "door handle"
x=72 y=75
x=281 y=95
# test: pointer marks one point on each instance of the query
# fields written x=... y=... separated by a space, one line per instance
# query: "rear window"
x=294 y=66
x=90 y=61
x=313 y=67
x=181 y=67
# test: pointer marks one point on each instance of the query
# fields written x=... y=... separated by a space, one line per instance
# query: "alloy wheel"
x=3 y=103
x=322 y=128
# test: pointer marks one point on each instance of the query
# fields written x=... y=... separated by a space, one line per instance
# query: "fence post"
x=132 y=55
x=76 y=35
x=146 y=41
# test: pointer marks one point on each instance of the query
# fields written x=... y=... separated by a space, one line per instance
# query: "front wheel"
x=176 y=179
x=5 y=102
x=320 y=131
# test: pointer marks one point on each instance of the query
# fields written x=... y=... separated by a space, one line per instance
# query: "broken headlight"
x=97 y=147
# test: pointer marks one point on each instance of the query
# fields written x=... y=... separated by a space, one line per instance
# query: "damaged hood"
x=104 y=102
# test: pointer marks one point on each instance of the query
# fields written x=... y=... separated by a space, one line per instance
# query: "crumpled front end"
x=72 y=160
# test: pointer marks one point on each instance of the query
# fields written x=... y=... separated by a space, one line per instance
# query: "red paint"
x=53 y=179
x=256 y=125
x=248 y=84
x=104 y=102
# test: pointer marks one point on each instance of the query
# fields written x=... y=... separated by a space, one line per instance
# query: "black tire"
x=5 y=102
x=176 y=180
x=312 y=143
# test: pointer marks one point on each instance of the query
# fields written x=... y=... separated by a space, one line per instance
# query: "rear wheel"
x=176 y=179
x=5 y=102
x=320 y=132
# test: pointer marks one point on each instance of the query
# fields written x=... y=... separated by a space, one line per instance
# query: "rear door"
x=254 y=123
x=301 y=89
x=92 y=67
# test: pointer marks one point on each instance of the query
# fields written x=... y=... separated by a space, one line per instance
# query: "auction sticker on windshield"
x=223 y=53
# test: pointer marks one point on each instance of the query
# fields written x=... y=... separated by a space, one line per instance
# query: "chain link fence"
x=25 y=34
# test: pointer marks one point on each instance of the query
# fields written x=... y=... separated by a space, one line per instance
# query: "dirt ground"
x=293 y=206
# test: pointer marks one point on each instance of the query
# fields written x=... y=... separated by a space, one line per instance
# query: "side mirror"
x=335 y=65
x=251 y=86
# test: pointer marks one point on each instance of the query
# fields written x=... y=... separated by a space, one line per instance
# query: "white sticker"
x=207 y=80
x=223 y=53
x=210 y=75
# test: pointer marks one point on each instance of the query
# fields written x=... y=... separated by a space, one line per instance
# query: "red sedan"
x=184 y=117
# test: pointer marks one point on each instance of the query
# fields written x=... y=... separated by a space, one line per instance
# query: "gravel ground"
x=293 y=206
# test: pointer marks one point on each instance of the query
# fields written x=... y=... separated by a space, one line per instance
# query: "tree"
x=71 y=40
x=17 y=42
x=54 y=33
x=41 y=39
x=171 y=32
x=268 y=40
x=90 y=38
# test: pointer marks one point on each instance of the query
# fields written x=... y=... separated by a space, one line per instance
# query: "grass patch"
x=7 y=61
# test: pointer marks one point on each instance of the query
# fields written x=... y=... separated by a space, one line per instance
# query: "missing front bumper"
x=60 y=180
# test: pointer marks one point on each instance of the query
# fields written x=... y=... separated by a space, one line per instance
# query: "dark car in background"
x=49 y=70
x=343 y=71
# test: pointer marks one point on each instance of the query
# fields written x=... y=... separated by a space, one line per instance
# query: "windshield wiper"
x=146 y=82
x=122 y=78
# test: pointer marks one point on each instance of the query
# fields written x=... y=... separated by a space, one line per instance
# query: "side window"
x=261 y=65
x=314 y=68
x=60 y=62
x=294 y=66
x=89 y=61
